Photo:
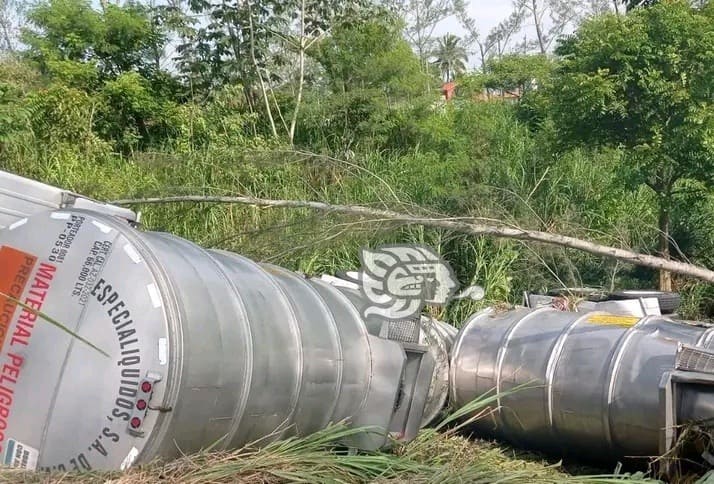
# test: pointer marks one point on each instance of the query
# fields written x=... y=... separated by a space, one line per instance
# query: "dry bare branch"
x=458 y=225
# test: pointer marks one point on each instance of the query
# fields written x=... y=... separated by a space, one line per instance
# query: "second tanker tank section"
x=591 y=384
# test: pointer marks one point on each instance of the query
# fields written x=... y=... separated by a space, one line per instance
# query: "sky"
x=488 y=14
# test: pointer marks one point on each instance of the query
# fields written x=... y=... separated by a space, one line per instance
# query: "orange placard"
x=15 y=271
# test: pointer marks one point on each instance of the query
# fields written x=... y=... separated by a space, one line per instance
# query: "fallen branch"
x=457 y=225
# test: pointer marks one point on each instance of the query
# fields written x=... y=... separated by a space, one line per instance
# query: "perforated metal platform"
x=690 y=358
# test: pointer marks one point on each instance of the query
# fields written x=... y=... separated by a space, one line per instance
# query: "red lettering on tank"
x=16 y=269
x=11 y=363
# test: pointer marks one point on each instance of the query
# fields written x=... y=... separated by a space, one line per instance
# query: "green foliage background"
x=90 y=106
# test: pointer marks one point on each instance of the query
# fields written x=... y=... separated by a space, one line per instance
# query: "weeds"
x=435 y=456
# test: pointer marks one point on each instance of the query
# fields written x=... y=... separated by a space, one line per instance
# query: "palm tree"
x=451 y=57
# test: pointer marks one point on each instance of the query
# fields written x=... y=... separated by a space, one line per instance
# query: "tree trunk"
x=484 y=67
x=665 y=277
x=301 y=82
x=538 y=27
x=263 y=88
x=6 y=39
x=5 y=24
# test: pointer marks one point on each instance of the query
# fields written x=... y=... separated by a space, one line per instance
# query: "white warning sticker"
x=21 y=456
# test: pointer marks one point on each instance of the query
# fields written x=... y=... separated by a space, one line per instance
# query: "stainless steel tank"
x=437 y=336
x=204 y=348
x=601 y=385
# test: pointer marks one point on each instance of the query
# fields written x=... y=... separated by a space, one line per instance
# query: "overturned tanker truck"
x=178 y=348
x=182 y=348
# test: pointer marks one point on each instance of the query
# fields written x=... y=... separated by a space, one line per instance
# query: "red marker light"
x=135 y=423
x=146 y=387
x=141 y=404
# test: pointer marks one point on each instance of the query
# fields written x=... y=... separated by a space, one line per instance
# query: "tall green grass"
x=437 y=455
x=467 y=160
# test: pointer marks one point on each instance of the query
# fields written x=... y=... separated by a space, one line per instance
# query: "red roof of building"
x=448 y=89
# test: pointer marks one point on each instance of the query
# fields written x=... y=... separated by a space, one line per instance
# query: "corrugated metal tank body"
x=436 y=336
x=589 y=383
x=219 y=349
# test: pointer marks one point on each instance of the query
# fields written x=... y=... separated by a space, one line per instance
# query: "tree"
x=450 y=57
x=313 y=20
x=599 y=7
x=369 y=76
x=11 y=17
x=497 y=40
x=644 y=82
x=109 y=57
x=518 y=73
x=117 y=40
x=369 y=55
x=260 y=45
x=550 y=18
x=632 y=4
x=422 y=17
x=63 y=30
x=233 y=46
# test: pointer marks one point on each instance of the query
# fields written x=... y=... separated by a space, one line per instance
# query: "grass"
x=438 y=455
x=433 y=457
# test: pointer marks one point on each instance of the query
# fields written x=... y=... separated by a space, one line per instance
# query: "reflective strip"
x=613 y=320
x=103 y=228
x=132 y=253
x=154 y=295
x=17 y=224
